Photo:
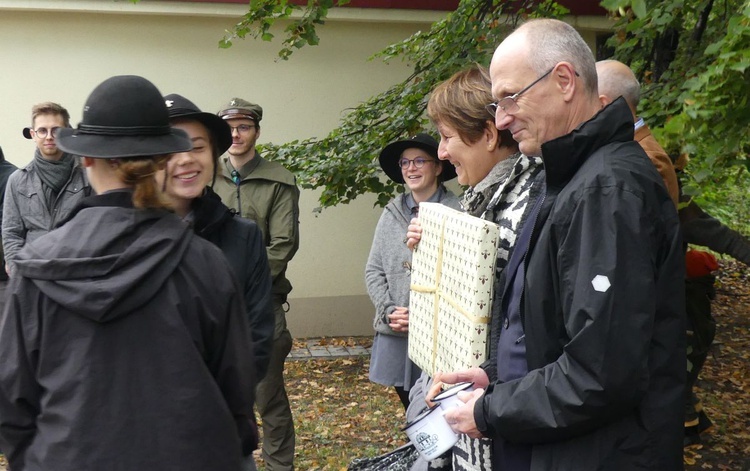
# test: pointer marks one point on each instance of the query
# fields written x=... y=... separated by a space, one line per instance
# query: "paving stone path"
x=313 y=349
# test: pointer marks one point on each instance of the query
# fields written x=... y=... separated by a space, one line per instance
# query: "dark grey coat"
x=26 y=214
x=125 y=346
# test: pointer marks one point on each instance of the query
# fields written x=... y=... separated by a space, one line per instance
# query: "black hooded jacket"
x=242 y=243
x=603 y=312
x=125 y=346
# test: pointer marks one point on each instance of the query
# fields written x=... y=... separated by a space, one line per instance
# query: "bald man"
x=616 y=80
x=587 y=368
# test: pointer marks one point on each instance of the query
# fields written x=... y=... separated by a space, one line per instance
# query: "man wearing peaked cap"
x=267 y=193
x=238 y=108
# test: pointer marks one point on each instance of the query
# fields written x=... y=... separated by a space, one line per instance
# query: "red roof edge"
x=576 y=7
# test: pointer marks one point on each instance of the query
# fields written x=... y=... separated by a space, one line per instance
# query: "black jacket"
x=120 y=353
x=603 y=312
x=242 y=243
x=6 y=168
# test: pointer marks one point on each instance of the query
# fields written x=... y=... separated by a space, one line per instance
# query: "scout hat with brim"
x=180 y=107
x=391 y=154
x=125 y=116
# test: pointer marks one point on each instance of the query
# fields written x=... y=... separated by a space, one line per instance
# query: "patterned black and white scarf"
x=502 y=197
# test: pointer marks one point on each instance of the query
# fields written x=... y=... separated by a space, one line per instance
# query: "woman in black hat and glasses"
x=414 y=163
x=119 y=352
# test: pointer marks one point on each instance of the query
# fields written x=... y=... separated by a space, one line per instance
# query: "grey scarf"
x=53 y=173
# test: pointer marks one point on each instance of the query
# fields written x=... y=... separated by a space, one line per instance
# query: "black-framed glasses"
x=508 y=104
x=418 y=162
x=242 y=128
x=41 y=133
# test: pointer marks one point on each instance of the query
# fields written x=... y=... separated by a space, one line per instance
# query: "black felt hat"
x=125 y=116
x=180 y=107
x=391 y=154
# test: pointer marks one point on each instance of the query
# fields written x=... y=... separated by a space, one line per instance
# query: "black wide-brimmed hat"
x=180 y=107
x=391 y=154
x=125 y=116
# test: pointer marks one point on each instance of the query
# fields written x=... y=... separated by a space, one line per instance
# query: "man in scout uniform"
x=267 y=193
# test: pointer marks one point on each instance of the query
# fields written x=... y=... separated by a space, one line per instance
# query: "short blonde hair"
x=49 y=107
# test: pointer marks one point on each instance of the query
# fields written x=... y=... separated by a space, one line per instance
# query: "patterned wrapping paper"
x=451 y=289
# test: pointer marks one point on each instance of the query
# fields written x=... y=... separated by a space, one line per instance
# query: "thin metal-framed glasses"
x=418 y=162
x=242 y=128
x=41 y=133
x=508 y=104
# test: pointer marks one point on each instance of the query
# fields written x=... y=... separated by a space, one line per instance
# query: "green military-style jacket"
x=267 y=193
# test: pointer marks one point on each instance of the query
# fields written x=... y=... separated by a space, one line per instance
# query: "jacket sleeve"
x=283 y=229
x=258 y=302
x=14 y=232
x=701 y=228
x=20 y=394
x=376 y=281
x=606 y=265
x=232 y=364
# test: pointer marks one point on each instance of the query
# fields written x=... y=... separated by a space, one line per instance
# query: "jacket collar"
x=115 y=198
x=209 y=213
x=564 y=155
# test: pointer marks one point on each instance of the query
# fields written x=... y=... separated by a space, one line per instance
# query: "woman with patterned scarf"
x=503 y=186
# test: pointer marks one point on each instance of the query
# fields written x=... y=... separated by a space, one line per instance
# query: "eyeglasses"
x=242 y=128
x=418 y=162
x=508 y=104
x=42 y=132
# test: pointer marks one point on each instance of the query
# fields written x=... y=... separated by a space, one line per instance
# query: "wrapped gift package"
x=451 y=289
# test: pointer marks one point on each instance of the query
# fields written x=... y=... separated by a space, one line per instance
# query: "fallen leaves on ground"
x=724 y=384
x=339 y=414
x=333 y=399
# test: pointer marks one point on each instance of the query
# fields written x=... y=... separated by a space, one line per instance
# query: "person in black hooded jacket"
x=187 y=180
x=125 y=342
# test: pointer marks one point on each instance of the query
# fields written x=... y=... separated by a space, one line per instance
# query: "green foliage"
x=262 y=14
x=693 y=60
x=691 y=56
x=344 y=163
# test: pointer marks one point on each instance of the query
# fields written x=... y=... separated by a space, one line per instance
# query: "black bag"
x=400 y=459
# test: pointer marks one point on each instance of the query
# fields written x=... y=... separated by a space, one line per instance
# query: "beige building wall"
x=58 y=50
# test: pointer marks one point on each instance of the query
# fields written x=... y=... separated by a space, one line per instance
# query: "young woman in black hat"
x=186 y=181
x=414 y=163
x=119 y=352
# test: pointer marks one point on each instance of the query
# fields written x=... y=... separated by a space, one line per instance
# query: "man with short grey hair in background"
x=590 y=360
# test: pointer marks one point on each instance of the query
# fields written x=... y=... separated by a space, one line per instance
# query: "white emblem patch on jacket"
x=601 y=283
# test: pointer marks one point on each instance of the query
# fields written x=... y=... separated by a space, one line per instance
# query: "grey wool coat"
x=388 y=271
